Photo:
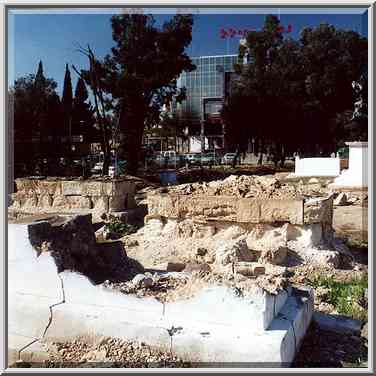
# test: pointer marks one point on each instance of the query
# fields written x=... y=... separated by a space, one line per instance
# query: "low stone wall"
x=241 y=210
x=61 y=195
x=232 y=229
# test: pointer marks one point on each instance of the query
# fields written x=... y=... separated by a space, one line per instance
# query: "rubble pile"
x=243 y=186
x=149 y=284
x=111 y=350
x=237 y=227
x=172 y=286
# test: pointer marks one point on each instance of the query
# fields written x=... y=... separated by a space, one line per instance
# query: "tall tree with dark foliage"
x=141 y=74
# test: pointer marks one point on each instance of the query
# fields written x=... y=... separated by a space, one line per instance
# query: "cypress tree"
x=40 y=80
x=80 y=94
x=82 y=113
x=67 y=100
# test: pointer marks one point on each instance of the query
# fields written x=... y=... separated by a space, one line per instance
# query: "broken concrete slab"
x=16 y=343
x=29 y=315
x=220 y=305
x=89 y=311
x=35 y=353
x=274 y=347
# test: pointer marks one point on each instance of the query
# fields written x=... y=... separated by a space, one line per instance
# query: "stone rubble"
x=107 y=351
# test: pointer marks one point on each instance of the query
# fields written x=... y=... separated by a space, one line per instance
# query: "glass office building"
x=205 y=91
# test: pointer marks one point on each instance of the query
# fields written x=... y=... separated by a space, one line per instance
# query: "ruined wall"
x=58 y=195
x=228 y=228
x=241 y=210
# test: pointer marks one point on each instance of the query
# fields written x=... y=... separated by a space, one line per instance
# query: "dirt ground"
x=332 y=350
x=319 y=348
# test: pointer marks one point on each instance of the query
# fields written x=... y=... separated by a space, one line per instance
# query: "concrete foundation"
x=217 y=325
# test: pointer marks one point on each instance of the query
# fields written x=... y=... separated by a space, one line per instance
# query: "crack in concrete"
x=54 y=305
x=25 y=347
x=49 y=320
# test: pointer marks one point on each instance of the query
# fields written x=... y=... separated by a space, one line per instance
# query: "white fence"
x=317 y=166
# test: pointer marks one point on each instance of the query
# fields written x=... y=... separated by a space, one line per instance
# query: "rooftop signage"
x=231 y=32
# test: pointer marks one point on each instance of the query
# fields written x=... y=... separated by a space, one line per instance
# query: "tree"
x=141 y=74
x=36 y=115
x=101 y=104
x=356 y=127
x=263 y=84
x=294 y=94
x=332 y=59
x=83 y=114
x=67 y=102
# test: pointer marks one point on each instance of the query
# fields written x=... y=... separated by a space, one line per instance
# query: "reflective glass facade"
x=204 y=85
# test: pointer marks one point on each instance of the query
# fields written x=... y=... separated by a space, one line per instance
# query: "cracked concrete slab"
x=28 y=314
x=220 y=305
x=16 y=342
x=34 y=287
x=90 y=322
x=274 y=347
x=214 y=327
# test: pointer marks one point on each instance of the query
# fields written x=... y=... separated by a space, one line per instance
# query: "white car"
x=97 y=169
x=228 y=158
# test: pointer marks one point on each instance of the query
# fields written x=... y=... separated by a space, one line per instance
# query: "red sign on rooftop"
x=231 y=32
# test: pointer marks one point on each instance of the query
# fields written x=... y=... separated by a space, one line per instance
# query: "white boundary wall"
x=317 y=166
x=356 y=176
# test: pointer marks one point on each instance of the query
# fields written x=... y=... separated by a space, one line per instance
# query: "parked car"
x=210 y=158
x=228 y=158
x=97 y=169
x=193 y=159
x=168 y=154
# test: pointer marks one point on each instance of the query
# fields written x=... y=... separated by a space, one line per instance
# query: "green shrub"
x=344 y=296
x=116 y=226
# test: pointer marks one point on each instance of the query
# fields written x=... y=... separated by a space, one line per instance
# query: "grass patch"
x=358 y=244
x=346 y=297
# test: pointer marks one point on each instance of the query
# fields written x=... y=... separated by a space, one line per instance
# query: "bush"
x=117 y=227
x=346 y=297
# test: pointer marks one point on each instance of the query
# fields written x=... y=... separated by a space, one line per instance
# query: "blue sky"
x=53 y=38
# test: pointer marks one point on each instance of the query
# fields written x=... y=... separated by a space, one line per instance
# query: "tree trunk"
x=133 y=129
